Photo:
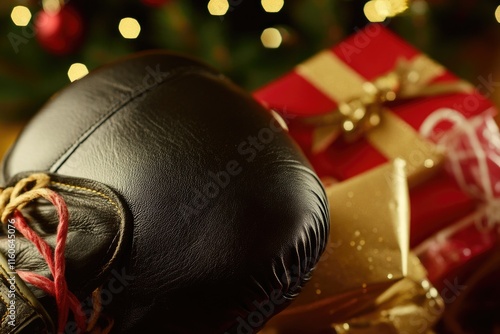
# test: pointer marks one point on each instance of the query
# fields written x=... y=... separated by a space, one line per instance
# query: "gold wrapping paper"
x=410 y=306
x=361 y=110
x=364 y=277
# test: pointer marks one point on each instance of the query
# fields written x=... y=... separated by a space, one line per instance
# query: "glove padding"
x=226 y=218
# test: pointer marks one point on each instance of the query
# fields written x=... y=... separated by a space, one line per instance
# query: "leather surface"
x=229 y=219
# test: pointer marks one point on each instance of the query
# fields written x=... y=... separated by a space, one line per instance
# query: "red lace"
x=58 y=287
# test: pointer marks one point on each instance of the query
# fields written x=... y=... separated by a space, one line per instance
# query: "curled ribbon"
x=354 y=117
x=473 y=162
x=473 y=147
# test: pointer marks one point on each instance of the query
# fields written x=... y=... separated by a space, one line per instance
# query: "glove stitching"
x=107 y=198
x=98 y=193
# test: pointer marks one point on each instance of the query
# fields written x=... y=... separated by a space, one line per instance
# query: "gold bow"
x=356 y=116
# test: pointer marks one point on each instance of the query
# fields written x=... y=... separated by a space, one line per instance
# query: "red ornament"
x=155 y=3
x=59 y=32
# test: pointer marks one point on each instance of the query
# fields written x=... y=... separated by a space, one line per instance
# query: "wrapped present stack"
x=410 y=157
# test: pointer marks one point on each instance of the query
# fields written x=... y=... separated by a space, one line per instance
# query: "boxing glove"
x=155 y=194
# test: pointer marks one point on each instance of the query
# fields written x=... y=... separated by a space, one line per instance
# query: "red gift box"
x=313 y=87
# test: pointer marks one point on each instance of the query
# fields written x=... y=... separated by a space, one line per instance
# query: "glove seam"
x=104 y=268
x=93 y=191
x=115 y=108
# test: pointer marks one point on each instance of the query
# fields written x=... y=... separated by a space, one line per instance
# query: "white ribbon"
x=465 y=132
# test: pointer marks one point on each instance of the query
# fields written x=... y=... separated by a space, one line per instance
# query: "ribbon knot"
x=359 y=115
x=353 y=118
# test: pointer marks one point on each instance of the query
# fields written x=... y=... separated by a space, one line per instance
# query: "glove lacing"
x=12 y=200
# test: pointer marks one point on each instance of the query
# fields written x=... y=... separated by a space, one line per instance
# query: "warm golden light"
x=77 y=71
x=21 y=16
x=497 y=14
x=395 y=7
x=272 y=6
x=383 y=7
x=51 y=5
x=379 y=10
x=271 y=38
x=371 y=12
x=129 y=28
x=218 y=7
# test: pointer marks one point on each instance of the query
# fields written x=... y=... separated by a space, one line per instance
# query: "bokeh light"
x=129 y=28
x=21 y=16
x=271 y=38
x=218 y=7
x=272 y=6
x=77 y=71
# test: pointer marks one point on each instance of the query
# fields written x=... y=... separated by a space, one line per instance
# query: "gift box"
x=463 y=259
x=355 y=108
x=367 y=280
x=362 y=103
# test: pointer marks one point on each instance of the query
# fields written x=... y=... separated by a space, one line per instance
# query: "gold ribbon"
x=361 y=107
x=367 y=280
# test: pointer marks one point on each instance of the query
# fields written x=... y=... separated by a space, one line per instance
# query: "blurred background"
x=44 y=45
